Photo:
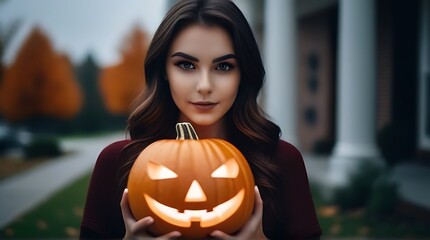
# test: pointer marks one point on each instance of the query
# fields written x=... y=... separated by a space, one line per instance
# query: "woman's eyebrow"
x=186 y=56
x=222 y=58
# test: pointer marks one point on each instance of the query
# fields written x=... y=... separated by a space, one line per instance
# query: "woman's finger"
x=220 y=235
x=139 y=228
x=125 y=209
x=256 y=218
x=253 y=229
x=258 y=205
x=170 y=235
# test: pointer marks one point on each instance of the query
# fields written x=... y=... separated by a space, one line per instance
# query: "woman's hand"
x=137 y=229
x=253 y=229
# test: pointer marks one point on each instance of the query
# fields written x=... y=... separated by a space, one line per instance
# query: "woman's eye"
x=186 y=65
x=224 y=67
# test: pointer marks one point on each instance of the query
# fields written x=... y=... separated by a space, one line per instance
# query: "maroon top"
x=103 y=219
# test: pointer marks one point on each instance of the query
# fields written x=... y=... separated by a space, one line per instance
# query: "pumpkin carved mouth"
x=207 y=219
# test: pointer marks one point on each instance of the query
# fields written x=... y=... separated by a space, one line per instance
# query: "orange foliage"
x=39 y=82
x=121 y=83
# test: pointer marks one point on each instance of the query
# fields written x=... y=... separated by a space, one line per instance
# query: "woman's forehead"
x=198 y=39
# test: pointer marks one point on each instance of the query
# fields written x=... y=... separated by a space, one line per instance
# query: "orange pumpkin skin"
x=198 y=165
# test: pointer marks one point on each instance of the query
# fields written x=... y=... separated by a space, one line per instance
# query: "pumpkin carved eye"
x=160 y=172
x=229 y=169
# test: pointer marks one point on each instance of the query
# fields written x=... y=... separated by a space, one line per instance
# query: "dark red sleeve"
x=298 y=218
x=102 y=214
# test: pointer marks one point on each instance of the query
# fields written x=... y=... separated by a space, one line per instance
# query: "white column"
x=356 y=96
x=280 y=62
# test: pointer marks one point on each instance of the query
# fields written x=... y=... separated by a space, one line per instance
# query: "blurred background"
x=72 y=67
x=347 y=82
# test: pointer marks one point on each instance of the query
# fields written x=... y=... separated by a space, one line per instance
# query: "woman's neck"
x=211 y=132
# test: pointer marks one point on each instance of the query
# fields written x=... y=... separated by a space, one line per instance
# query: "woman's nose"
x=204 y=85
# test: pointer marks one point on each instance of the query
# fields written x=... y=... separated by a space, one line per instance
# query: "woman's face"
x=203 y=74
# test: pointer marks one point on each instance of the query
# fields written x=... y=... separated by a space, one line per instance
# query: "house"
x=348 y=78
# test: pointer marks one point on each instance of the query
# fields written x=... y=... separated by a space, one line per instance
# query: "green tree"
x=93 y=115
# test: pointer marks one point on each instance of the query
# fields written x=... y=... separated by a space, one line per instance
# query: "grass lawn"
x=356 y=223
x=58 y=217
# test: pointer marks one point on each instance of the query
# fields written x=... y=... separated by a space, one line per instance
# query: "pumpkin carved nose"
x=195 y=193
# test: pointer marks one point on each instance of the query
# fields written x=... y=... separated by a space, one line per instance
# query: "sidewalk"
x=22 y=192
x=413 y=180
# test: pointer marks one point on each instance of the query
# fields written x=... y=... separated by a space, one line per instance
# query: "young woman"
x=204 y=67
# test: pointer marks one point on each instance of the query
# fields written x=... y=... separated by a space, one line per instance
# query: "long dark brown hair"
x=155 y=114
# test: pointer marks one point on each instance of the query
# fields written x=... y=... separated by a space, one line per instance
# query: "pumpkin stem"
x=185 y=131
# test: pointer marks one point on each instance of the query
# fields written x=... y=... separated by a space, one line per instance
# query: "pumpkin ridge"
x=237 y=155
x=208 y=147
x=222 y=151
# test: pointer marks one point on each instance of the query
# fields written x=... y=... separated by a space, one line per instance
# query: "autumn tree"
x=40 y=82
x=120 y=83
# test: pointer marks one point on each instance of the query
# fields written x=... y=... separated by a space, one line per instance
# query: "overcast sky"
x=78 y=27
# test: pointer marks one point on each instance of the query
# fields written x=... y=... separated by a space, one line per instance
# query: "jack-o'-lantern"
x=192 y=186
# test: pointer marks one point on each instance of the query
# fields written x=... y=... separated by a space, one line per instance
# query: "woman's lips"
x=204 y=106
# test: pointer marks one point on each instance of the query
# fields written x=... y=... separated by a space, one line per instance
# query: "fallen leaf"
x=78 y=211
x=9 y=232
x=357 y=213
x=364 y=230
x=335 y=229
x=71 y=232
x=328 y=211
x=41 y=224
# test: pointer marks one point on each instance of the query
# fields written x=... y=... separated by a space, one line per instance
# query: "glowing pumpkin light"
x=192 y=186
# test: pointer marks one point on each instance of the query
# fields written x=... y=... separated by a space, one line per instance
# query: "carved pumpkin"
x=192 y=186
